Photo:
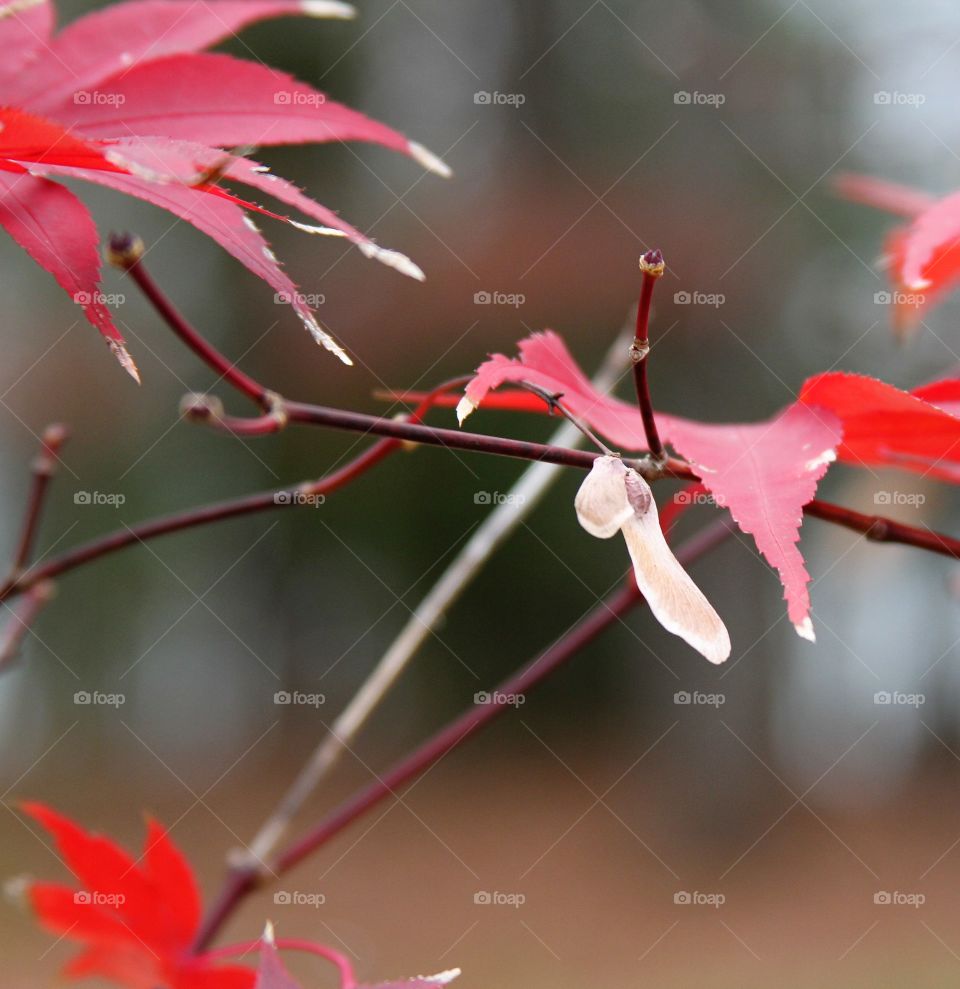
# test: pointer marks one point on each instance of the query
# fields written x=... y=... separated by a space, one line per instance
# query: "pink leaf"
x=114 y=39
x=186 y=162
x=884 y=426
x=229 y=226
x=923 y=256
x=764 y=473
x=25 y=27
x=56 y=230
x=220 y=100
x=901 y=200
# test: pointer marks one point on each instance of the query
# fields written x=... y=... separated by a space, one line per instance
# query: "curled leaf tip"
x=805 y=630
x=430 y=161
x=126 y=361
x=328 y=8
x=464 y=408
x=393 y=259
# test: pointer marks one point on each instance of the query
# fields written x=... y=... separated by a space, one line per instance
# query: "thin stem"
x=241 y=882
x=126 y=252
x=21 y=620
x=652 y=267
x=43 y=468
x=883 y=530
x=486 y=539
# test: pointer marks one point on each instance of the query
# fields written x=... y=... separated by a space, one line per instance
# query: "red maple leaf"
x=921 y=255
x=123 y=98
x=136 y=918
x=763 y=473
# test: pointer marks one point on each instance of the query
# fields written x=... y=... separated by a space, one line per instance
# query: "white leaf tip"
x=126 y=361
x=392 y=259
x=430 y=161
x=465 y=407
x=805 y=629
x=328 y=8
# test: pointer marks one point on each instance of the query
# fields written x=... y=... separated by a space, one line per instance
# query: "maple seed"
x=615 y=498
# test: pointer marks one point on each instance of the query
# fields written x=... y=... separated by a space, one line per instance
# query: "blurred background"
x=581 y=133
